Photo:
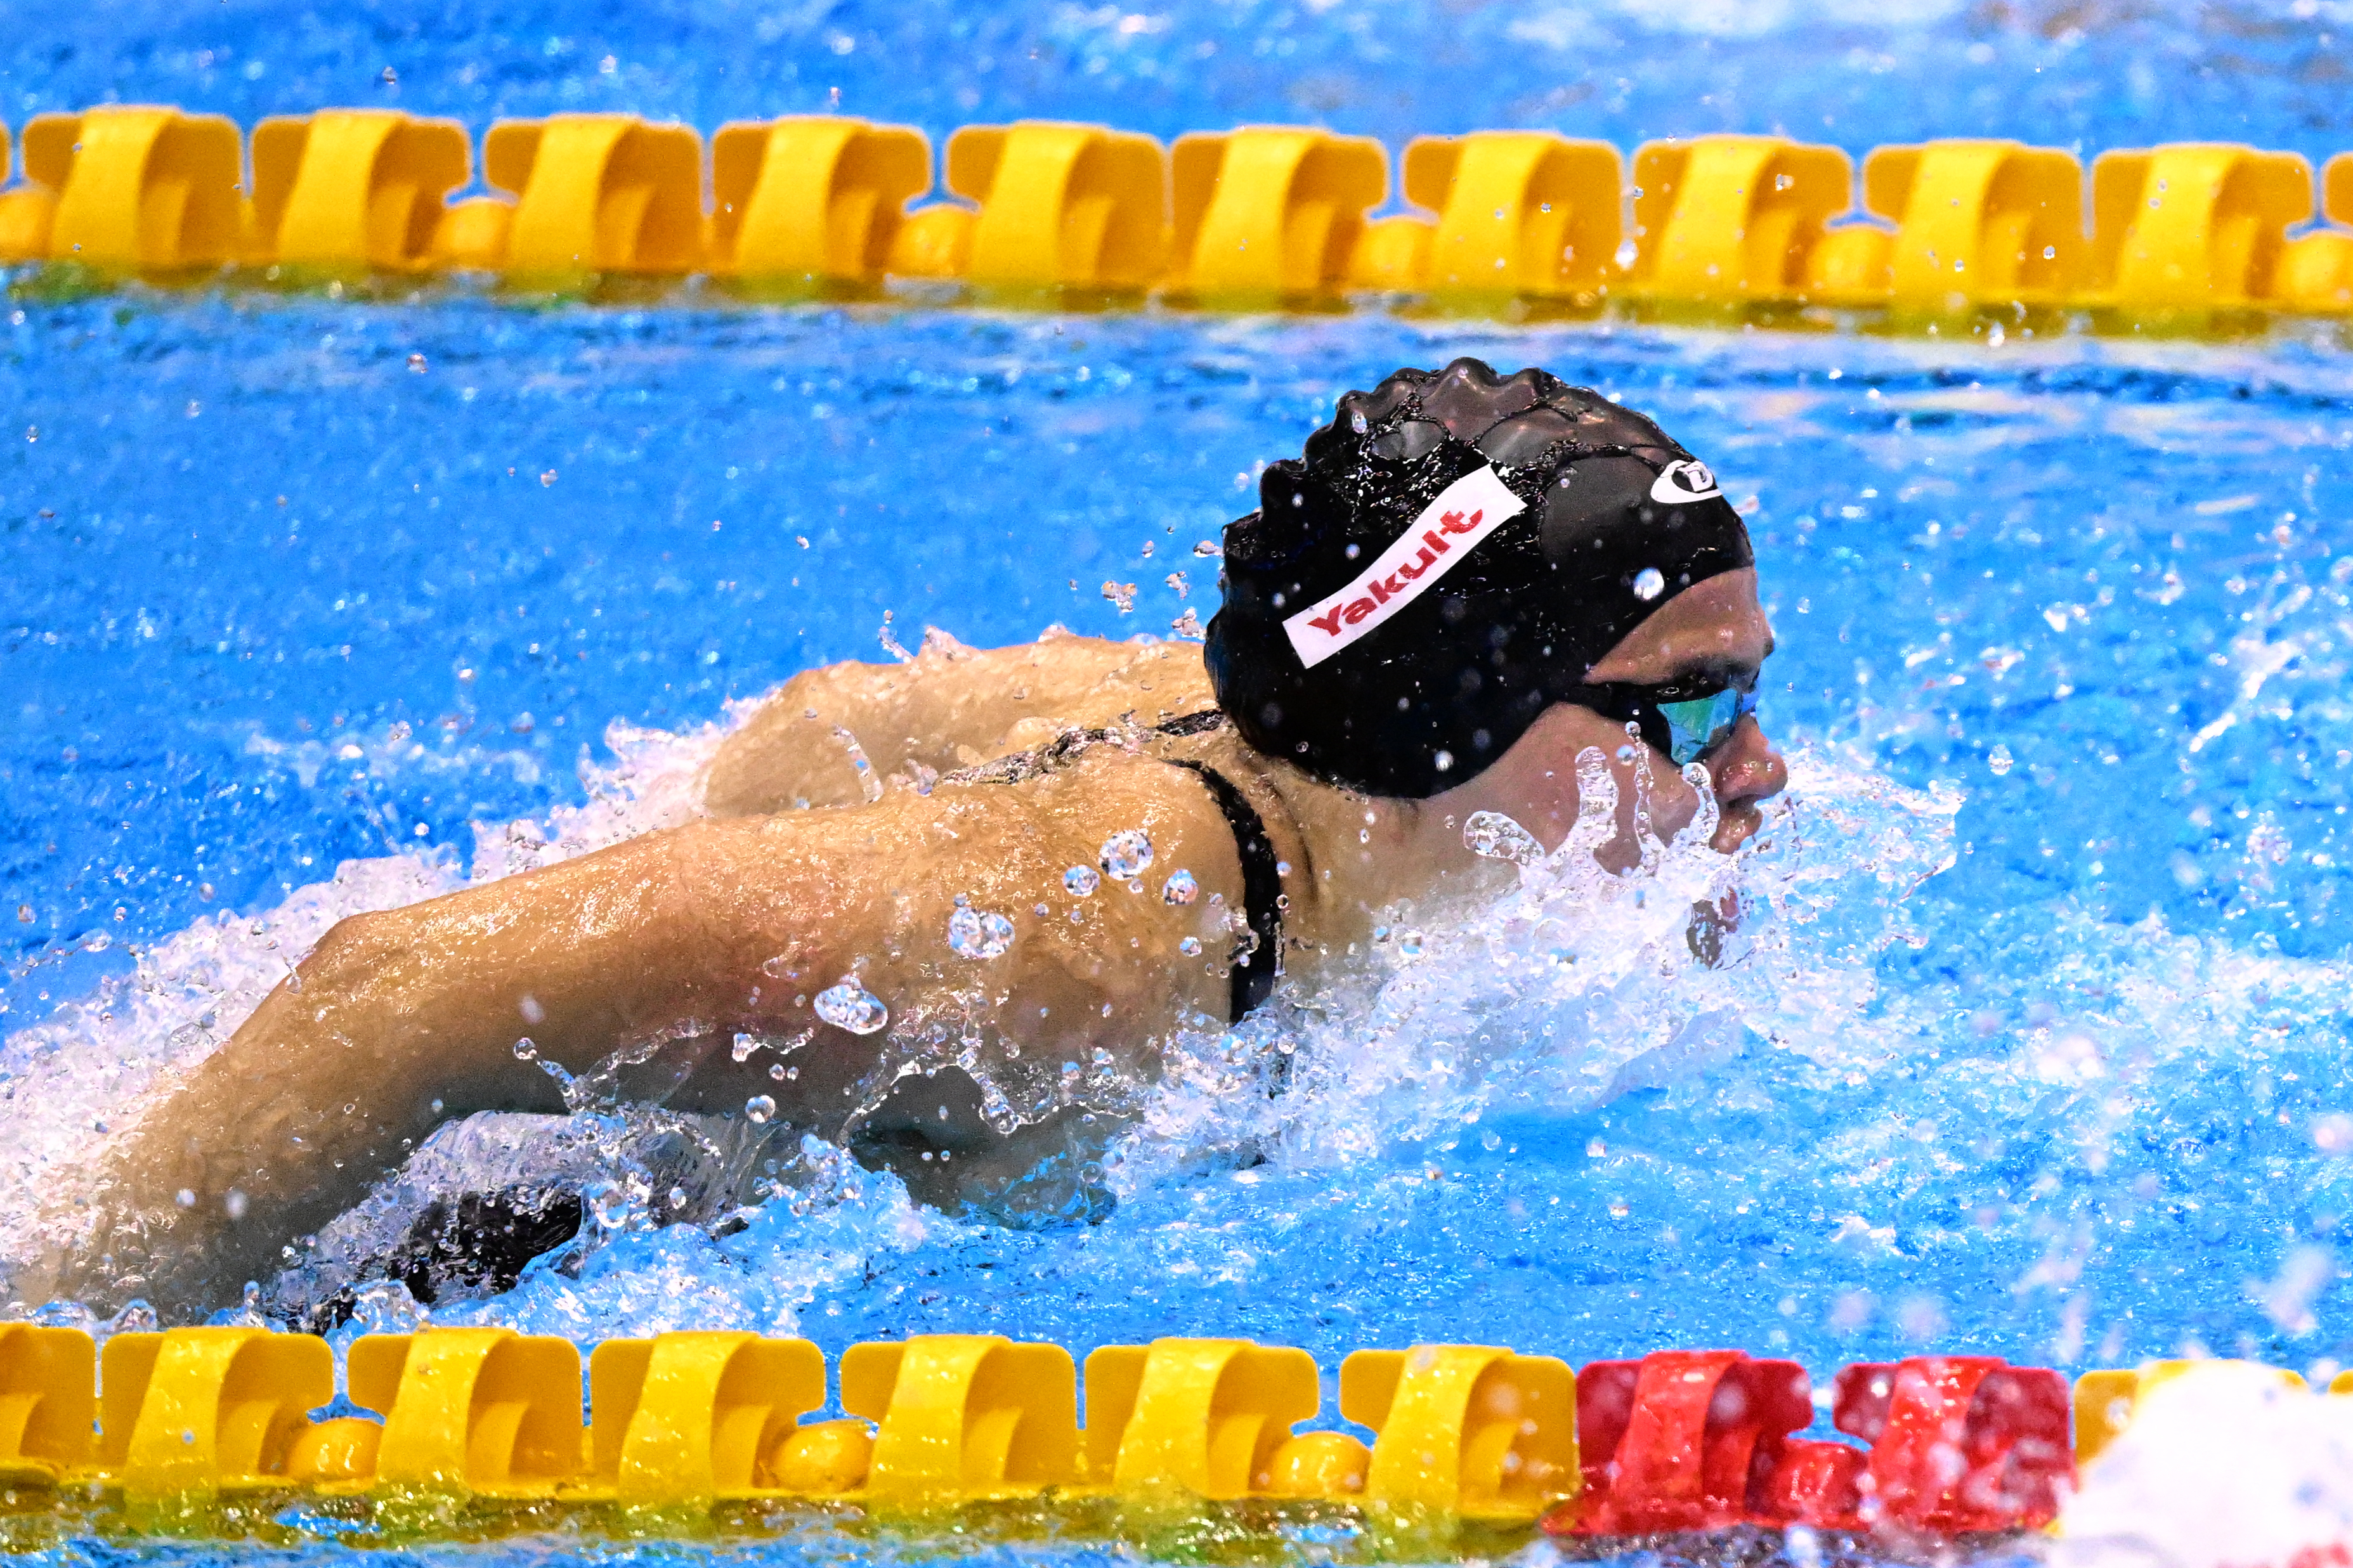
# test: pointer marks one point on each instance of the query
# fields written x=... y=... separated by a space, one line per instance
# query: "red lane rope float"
x=1702 y=1440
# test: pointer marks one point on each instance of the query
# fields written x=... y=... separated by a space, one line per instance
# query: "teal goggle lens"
x=1697 y=727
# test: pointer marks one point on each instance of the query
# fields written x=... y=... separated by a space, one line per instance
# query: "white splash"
x=1578 y=986
x=2226 y=1465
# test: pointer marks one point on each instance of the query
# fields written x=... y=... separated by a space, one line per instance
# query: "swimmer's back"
x=951 y=708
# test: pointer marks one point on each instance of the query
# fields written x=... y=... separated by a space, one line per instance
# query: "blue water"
x=281 y=595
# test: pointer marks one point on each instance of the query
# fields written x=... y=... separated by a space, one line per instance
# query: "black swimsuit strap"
x=1254 y=970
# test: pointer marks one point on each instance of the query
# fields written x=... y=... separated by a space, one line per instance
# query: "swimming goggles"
x=1685 y=725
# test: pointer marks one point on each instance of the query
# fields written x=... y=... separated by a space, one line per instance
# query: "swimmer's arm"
x=398 y=1021
x=409 y=1017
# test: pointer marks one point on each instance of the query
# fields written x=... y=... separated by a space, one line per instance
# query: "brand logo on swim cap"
x=1465 y=512
x=1688 y=481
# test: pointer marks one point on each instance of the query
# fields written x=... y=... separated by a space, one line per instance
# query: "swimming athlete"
x=1044 y=857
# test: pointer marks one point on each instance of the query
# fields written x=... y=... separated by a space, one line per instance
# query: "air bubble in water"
x=1648 y=585
x=1409 y=943
x=1498 y=837
x=1179 y=889
x=1190 y=946
x=745 y=1045
x=979 y=933
x=1999 y=760
x=1126 y=854
x=851 y=1007
x=759 y=1108
x=1080 y=880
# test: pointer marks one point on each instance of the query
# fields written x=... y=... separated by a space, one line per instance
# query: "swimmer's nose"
x=1746 y=768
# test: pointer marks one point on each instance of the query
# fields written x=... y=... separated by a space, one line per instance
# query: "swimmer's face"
x=1714 y=633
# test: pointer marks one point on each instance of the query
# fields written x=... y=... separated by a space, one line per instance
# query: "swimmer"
x=1053 y=856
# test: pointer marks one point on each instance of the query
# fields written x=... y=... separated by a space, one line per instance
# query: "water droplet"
x=1121 y=593
x=759 y=1108
x=1080 y=880
x=416 y=362
x=1498 y=837
x=1126 y=854
x=745 y=1045
x=609 y=1204
x=1189 y=946
x=1357 y=423
x=1999 y=760
x=775 y=968
x=1648 y=585
x=851 y=1007
x=1179 y=889
x=979 y=933
x=1443 y=762
x=1409 y=943
x=525 y=1051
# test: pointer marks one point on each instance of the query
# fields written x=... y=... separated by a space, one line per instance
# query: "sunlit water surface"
x=2032 y=1042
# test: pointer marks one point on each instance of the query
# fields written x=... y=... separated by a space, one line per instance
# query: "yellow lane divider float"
x=1265 y=216
x=1503 y=223
x=1463 y=1436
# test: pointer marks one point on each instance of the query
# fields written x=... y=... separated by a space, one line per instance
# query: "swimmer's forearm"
x=396 y=1022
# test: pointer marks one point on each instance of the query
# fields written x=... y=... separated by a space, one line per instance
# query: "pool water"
x=2032 y=1042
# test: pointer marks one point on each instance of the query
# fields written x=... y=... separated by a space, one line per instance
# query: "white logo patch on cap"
x=1465 y=512
x=1688 y=481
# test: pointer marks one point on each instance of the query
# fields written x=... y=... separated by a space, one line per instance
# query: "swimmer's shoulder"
x=949 y=708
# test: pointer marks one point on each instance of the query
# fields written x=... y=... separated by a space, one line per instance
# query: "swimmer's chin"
x=1737 y=826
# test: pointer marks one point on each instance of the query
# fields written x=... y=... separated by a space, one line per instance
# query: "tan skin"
x=657 y=952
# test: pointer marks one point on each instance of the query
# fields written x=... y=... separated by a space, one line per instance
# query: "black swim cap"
x=1392 y=645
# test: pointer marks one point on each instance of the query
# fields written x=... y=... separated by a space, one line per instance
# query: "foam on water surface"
x=2223 y=1468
